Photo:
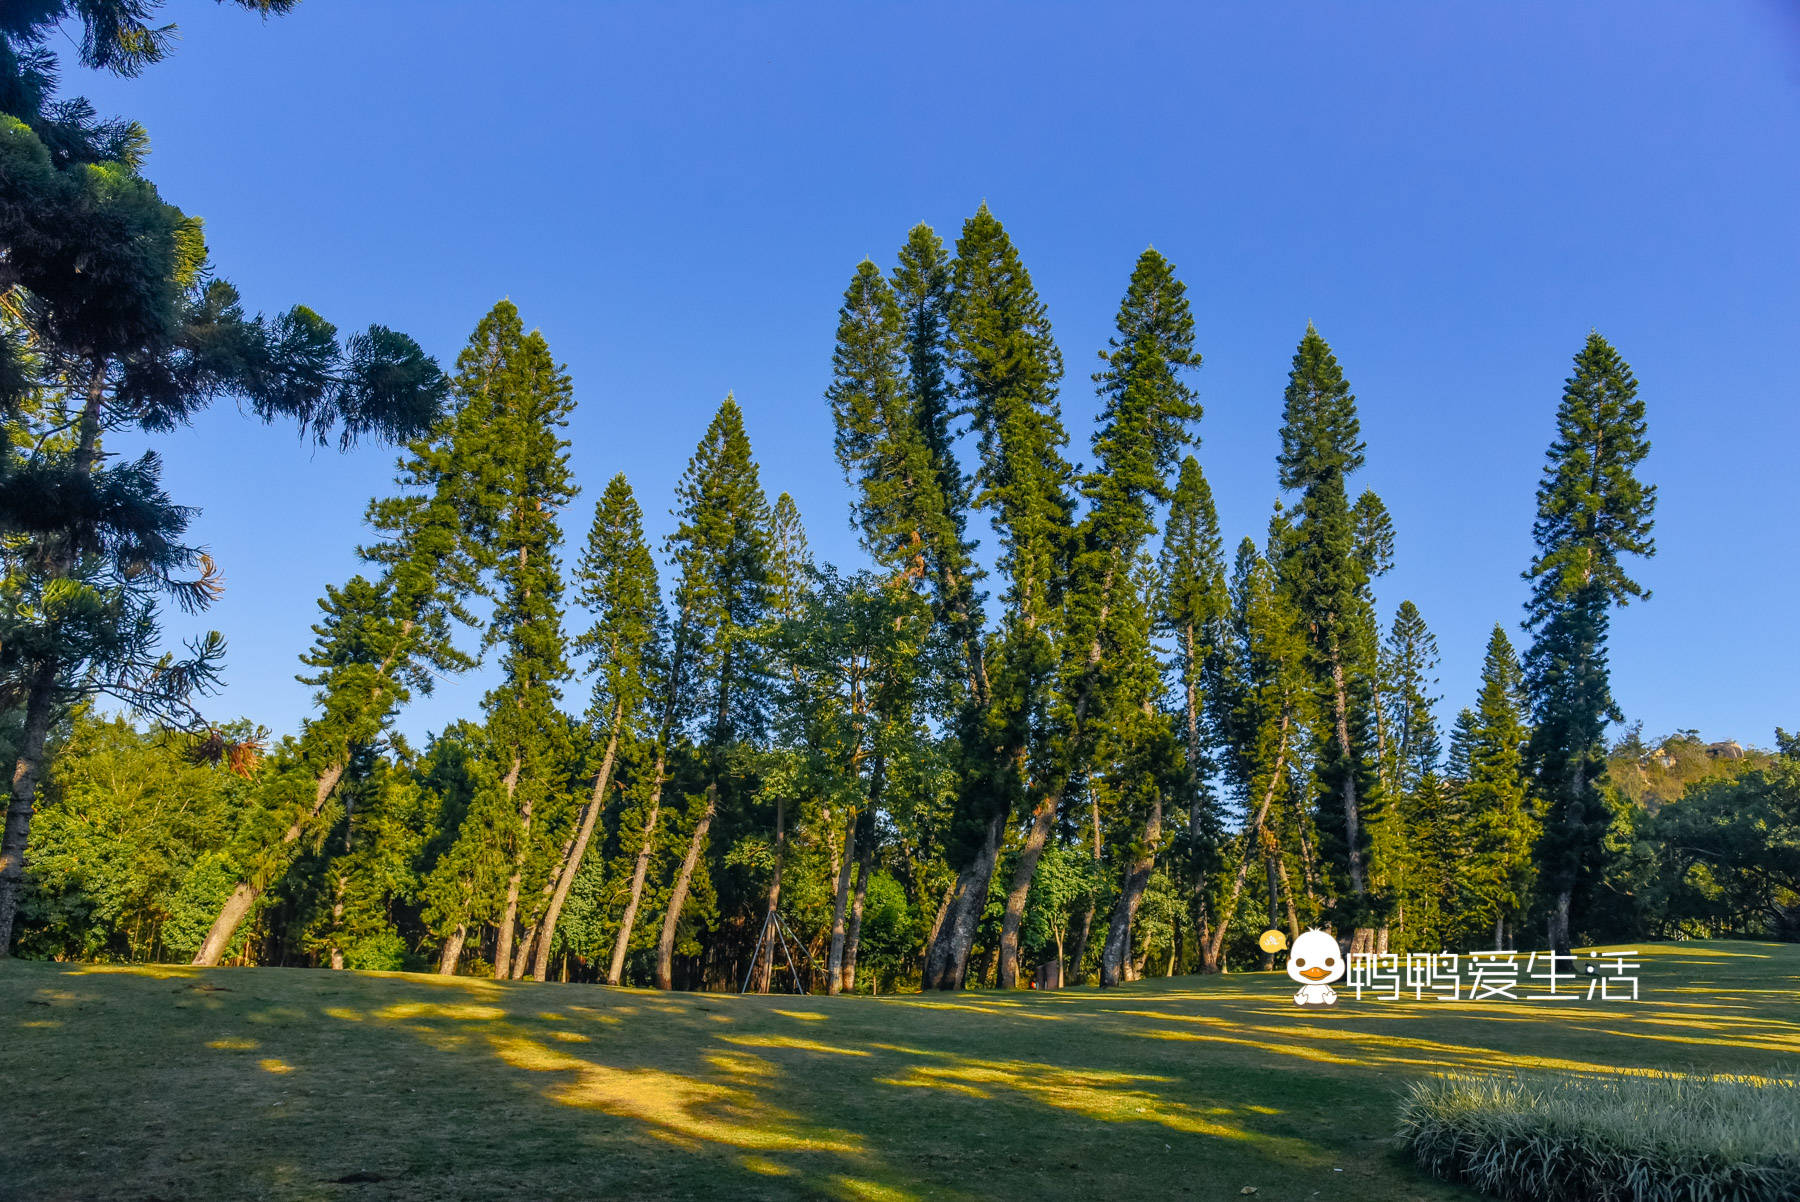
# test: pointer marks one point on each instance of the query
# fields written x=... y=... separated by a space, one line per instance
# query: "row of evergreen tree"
x=1108 y=743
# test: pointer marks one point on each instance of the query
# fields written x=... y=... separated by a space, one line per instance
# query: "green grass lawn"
x=165 y=1083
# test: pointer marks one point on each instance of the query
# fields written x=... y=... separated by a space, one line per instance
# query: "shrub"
x=1645 y=1137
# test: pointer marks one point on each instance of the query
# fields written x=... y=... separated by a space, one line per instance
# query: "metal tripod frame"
x=775 y=926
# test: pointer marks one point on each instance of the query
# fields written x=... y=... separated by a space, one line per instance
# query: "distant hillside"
x=1651 y=772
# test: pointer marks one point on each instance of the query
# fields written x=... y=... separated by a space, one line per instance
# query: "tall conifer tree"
x=528 y=736
x=1008 y=369
x=1194 y=613
x=1593 y=511
x=721 y=551
x=1494 y=787
x=1146 y=419
x=433 y=551
x=618 y=585
x=1321 y=447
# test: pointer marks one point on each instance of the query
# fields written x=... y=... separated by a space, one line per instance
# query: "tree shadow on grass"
x=292 y=1084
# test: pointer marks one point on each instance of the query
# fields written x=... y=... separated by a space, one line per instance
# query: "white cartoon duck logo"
x=1315 y=961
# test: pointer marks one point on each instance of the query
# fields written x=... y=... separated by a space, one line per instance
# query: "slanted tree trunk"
x=565 y=879
x=524 y=951
x=452 y=951
x=244 y=896
x=1078 y=945
x=620 y=945
x=665 y=947
x=948 y=961
x=1558 y=925
x=937 y=924
x=1252 y=833
x=1115 y=956
x=1044 y=817
x=337 y=923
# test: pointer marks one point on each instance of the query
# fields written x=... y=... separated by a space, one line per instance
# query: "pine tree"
x=1415 y=858
x=433 y=551
x=1321 y=446
x=1195 y=608
x=721 y=550
x=124 y=332
x=879 y=443
x=791 y=580
x=618 y=585
x=922 y=285
x=520 y=459
x=1107 y=669
x=1492 y=779
x=1008 y=368
x=1592 y=512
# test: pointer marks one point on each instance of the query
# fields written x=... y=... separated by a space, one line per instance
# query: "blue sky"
x=676 y=195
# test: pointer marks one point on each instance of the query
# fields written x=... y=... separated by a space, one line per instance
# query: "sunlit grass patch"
x=1637 y=1137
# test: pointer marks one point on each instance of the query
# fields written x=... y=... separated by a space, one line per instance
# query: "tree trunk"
x=337 y=923
x=1559 y=922
x=1078 y=945
x=623 y=942
x=1252 y=833
x=948 y=961
x=565 y=880
x=1364 y=938
x=39 y=710
x=937 y=924
x=510 y=915
x=1274 y=897
x=865 y=864
x=1115 y=956
x=834 y=962
x=524 y=951
x=1043 y=819
x=244 y=896
x=665 y=947
x=452 y=951
x=1499 y=933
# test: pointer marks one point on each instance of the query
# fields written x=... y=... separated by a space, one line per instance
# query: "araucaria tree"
x=1008 y=368
x=376 y=647
x=1109 y=675
x=516 y=817
x=1321 y=447
x=618 y=585
x=1592 y=513
x=721 y=554
x=110 y=322
x=1194 y=614
x=1489 y=753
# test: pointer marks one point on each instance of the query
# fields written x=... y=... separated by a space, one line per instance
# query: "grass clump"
x=1639 y=1137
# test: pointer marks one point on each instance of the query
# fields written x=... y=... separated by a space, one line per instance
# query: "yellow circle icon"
x=1272 y=941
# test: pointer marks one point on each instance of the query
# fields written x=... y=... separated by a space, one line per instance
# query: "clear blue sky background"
x=678 y=194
